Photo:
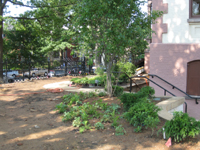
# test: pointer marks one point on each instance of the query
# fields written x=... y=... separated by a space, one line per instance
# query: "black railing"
x=174 y=87
x=165 y=90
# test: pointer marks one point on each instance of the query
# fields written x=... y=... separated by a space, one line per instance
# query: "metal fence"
x=21 y=70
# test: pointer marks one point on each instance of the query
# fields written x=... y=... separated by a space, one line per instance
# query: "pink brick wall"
x=169 y=61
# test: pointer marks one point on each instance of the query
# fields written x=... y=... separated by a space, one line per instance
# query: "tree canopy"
x=116 y=26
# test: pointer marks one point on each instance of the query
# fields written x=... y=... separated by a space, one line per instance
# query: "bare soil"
x=29 y=122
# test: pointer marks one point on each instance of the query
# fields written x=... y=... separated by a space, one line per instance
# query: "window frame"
x=190 y=10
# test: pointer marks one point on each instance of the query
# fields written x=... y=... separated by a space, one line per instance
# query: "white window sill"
x=194 y=20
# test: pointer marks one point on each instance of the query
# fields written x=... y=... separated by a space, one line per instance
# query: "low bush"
x=130 y=99
x=101 y=94
x=143 y=114
x=62 y=107
x=99 y=126
x=117 y=90
x=120 y=130
x=181 y=126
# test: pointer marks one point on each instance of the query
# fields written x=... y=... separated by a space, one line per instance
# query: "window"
x=194 y=8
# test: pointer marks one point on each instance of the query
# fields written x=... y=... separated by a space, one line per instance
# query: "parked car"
x=10 y=79
x=59 y=72
x=51 y=73
x=37 y=72
x=12 y=73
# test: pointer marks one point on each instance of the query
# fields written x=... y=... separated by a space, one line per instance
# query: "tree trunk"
x=97 y=57
x=109 y=82
x=1 y=43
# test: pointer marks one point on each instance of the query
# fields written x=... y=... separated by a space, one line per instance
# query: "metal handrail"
x=165 y=90
x=174 y=87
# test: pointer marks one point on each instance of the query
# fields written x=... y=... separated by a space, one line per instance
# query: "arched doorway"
x=193 y=77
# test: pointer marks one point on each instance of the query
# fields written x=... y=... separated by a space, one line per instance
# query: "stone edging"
x=169 y=104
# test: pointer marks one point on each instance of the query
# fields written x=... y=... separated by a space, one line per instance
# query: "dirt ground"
x=29 y=122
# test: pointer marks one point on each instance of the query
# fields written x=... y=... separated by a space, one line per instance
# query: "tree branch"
x=29 y=18
x=20 y=4
x=3 y=5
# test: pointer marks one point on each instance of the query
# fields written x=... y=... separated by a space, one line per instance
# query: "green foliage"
x=115 y=118
x=130 y=99
x=101 y=94
x=106 y=118
x=67 y=97
x=118 y=90
x=99 y=126
x=99 y=71
x=67 y=116
x=61 y=107
x=92 y=94
x=143 y=114
x=84 y=116
x=84 y=80
x=181 y=127
x=77 y=122
x=147 y=90
x=85 y=127
x=120 y=130
x=83 y=96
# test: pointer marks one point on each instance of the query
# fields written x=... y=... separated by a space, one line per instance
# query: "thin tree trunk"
x=109 y=81
x=97 y=57
x=1 y=43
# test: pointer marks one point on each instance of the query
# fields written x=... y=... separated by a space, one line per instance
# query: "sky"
x=15 y=11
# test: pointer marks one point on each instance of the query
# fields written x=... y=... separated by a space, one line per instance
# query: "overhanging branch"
x=21 y=4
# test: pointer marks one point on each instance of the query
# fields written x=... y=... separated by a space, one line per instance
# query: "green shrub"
x=181 y=127
x=92 y=94
x=61 y=107
x=67 y=97
x=106 y=118
x=101 y=94
x=143 y=114
x=118 y=90
x=83 y=96
x=130 y=99
x=77 y=122
x=99 y=126
x=84 y=80
x=120 y=130
x=147 y=90
x=67 y=116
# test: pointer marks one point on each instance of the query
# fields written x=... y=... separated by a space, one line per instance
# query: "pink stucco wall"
x=169 y=61
x=146 y=62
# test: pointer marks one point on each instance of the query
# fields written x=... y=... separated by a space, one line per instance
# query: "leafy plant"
x=74 y=99
x=101 y=94
x=61 y=107
x=67 y=116
x=120 y=130
x=147 y=90
x=106 y=118
x=114 y=107
x=130 y=99
x=118 y=90
x=77 y=122
x=67 y=97
x=85 y=127
x=84 y=116
x=92 y=94
x=114 y=119
x=181 y=127
x=143 y=114
x=83 y=96
x=99 y=126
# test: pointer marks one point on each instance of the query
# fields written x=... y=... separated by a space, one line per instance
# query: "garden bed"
x=20 y=114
